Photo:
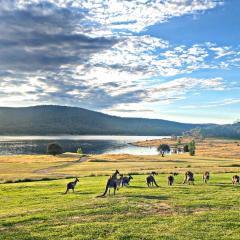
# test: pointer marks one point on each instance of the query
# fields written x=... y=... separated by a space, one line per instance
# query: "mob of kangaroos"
x=115 y=182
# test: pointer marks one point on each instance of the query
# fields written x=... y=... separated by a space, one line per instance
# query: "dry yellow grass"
x=28 y=166
x=43 y=166
x=220 y=148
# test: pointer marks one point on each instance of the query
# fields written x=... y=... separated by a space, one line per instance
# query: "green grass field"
x=39 y=209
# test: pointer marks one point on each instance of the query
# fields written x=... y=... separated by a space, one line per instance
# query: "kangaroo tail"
x=155 y=182
x=106 y=189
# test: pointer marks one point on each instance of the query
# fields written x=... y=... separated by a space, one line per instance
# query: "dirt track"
x=50 y=169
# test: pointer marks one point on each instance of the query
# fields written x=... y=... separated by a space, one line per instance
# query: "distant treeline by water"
x=15 y=145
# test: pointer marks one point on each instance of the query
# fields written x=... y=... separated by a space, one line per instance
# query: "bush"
x=54 y=149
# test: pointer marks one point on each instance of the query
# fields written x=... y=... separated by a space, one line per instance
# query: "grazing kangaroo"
x=174 y=173
x=113 y=182
x=189 y=178
x=71 y=185
x=151 y=180
x=235 y=179
x=206 y=177
x=126 y=180
x=170 y=180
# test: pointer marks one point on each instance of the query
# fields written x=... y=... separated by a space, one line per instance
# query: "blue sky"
x=169 y=59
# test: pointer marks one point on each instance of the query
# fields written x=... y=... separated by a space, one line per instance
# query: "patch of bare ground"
x=155 y=208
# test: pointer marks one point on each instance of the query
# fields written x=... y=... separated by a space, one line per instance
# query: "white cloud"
x=111 y=15
x=221 y=103
x=222 y=51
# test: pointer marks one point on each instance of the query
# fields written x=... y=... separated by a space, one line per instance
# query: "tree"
x=163 y=148
x=185 y=148
x=54 y=149
x=80 y=151
x=192 y=148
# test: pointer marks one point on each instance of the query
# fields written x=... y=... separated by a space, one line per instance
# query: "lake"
x=14 y=145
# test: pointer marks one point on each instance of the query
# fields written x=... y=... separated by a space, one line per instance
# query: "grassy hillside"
x=47 y=120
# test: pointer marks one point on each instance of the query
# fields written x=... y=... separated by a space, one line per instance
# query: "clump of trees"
x=163 y=148
x=54 y=149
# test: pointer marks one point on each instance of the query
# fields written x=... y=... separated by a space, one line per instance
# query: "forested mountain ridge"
x=51 y=119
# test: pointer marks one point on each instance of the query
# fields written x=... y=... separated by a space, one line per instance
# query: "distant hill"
x=222 y=131
x=49 y=120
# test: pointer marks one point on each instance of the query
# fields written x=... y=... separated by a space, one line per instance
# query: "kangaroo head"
x=77 y=180
x=130 y=177
x=117 y=172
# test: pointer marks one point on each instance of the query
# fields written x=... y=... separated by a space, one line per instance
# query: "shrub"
x=54 y=149
x=80 y=151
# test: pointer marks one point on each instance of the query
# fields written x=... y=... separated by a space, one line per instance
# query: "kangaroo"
x=119 y=181
x=235 y=179
x=126 y=180
x=189 y=178
x=174 y=173
x=112 y=182
x=170 y=180
x=151 y=181
x=206 y=177
x=71 y=185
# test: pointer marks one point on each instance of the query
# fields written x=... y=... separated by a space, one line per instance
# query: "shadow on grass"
x=225 y=185
x=76 y=193
x=136 y=186
x=83 y=193
x=149 y=197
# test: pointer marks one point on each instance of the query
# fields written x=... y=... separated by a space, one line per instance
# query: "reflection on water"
x=90 y=144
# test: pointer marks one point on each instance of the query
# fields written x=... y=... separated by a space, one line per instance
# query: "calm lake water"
x=13 y=145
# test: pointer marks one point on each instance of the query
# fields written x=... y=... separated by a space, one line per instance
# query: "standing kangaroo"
x=206 y=177
x=170 y=180
x=151 y=180
x=235 y=179
x=189 y=178
x=113 y=182
x=71 y=185
x=126 y=180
